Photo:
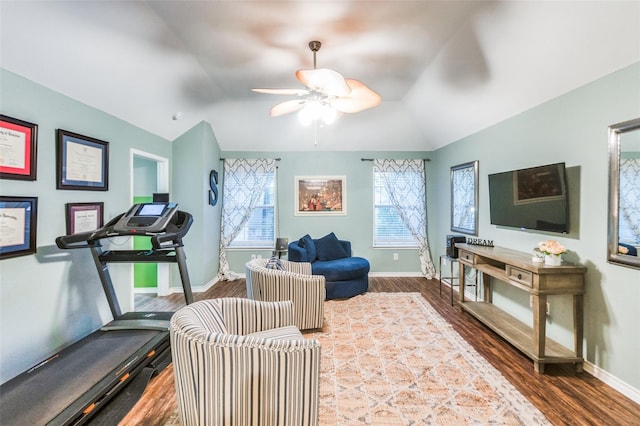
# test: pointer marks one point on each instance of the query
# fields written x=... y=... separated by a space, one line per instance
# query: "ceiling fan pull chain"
x=315 y=133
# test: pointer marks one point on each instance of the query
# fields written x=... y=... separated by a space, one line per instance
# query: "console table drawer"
x=520 y=275
x=465 y=256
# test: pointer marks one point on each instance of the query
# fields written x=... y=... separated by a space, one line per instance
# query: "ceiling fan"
x=328 y=95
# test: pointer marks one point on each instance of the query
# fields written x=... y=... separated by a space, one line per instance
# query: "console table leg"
x=539 y=325
x=461 y=284
x=538 y=367
x=486 y=287
x=578 y=327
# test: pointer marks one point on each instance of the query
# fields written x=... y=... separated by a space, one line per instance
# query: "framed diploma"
x=84 y=217
x=82 y=162
x=18 y=226
x=18 y=142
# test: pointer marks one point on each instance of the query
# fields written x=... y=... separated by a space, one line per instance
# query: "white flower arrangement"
x=551 y=247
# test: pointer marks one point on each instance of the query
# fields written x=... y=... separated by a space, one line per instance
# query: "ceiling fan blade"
x=361 y=98
x=296 y=92
x=287 y=106
x=325 y=81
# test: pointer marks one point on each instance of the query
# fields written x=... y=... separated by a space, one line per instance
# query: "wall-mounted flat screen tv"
x=533 y=198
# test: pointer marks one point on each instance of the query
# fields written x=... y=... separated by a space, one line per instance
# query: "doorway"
x=149 y=175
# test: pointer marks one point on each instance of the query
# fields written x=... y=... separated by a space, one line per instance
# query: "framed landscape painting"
x=320 y=195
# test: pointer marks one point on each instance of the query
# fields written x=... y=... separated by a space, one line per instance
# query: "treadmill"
x=70 y=387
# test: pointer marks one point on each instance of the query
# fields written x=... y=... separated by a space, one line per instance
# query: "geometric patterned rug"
x=391 y=359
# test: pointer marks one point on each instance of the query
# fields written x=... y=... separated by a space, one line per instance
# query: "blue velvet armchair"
x=345 y=276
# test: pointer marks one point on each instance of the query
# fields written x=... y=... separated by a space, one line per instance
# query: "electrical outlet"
x=548 y=308
x=395 y=256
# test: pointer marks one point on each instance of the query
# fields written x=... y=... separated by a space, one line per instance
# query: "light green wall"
x=571 y=128
x=356 y=226
x=54 y=297
x=195 y=154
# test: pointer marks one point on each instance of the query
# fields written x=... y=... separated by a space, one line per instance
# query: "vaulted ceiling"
x=445 y=69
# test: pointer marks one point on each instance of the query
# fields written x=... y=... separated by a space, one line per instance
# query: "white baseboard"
x=395 y=274
x=611 y=380
x=145 y=290
x=196 y=289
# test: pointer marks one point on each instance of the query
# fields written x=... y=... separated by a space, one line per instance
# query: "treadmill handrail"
x=87 y=239
x=175 y=230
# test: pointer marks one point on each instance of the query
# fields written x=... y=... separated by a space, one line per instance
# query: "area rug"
x=391 y=359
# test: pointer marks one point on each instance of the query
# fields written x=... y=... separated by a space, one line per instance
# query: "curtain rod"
x=423 y=159
x=277 y=159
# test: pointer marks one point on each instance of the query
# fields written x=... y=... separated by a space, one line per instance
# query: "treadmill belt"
x=38 y=395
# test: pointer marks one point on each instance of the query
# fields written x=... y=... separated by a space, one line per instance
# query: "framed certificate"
x=18 y=226
x=18 y=143
x=82 y=162
x=84 y=217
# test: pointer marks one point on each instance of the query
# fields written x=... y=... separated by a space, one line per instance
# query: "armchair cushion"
x=329 y=248
x=346 y=269
x=308 y=244
x=289 y=332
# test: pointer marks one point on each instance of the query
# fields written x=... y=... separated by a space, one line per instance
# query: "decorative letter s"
x=213 y=185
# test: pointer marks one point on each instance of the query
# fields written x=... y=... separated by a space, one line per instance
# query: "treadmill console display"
x=146 y=218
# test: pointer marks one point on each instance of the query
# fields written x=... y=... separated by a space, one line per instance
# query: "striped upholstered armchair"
x=288 y=281
x=242 y=362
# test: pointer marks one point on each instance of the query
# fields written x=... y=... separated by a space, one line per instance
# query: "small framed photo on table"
x=82 y=162
x=18 y=225
x=84 y=217
x=18 y=146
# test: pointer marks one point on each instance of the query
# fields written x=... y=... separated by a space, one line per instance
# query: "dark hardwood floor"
x=565 y=397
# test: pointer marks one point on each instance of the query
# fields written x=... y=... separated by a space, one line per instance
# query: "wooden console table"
x=539 y=280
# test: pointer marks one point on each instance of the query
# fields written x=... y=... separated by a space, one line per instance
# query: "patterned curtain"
x=243 y=185
x=630 y=198
x=409 y=200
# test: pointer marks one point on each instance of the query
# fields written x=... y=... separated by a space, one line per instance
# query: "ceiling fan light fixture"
x=317 y=111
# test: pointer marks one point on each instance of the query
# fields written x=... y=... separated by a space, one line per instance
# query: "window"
x=389 y=229
x=259 y=231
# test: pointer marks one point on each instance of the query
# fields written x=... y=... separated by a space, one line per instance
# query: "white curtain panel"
x=404 y=181
x=630 y=199
x=244 y=181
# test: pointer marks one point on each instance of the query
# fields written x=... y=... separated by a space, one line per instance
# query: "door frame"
x=162 y=185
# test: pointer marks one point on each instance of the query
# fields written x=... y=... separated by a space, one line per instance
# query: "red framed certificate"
x=18 y=143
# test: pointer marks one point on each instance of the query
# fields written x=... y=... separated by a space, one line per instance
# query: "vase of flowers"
x=553 y=252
